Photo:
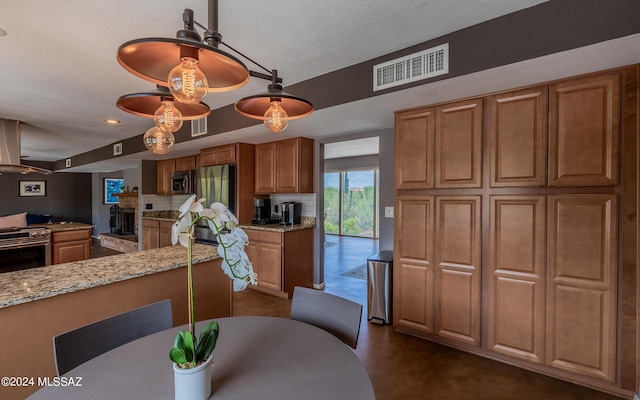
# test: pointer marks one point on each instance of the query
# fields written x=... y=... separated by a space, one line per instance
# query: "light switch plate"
x=388 y=212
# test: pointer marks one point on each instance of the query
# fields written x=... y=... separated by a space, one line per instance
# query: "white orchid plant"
x=188 y=351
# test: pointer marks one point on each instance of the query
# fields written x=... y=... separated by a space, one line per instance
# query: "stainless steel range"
x=22 y=248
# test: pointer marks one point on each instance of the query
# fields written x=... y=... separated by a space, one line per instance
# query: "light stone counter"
x=39 y=283
x=305 y=223
x=65 y=226
x=168 y=215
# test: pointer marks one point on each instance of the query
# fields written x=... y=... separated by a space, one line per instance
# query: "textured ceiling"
x=61 y=77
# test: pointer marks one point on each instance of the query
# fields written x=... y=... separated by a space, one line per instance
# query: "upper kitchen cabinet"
x=218 y=155
x=517 y=133
x=186 y=163
x=285 y=166
x=414 y=149
x=164 y=170
x=584 y=126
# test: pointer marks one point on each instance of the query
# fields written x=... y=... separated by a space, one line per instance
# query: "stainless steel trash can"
x=379 y=287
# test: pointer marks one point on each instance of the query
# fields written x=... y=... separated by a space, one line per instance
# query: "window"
x=350 y=201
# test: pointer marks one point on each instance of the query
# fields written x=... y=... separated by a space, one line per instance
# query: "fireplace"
x=122 y=221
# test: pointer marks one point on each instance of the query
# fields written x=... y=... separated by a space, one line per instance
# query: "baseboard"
x=319 y=286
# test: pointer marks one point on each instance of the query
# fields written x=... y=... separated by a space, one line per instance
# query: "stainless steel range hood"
x=10 y=132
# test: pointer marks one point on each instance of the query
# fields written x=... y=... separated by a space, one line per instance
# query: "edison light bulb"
x=276 y=119
x=157 y=141
x=167 y=117
x=187 y=83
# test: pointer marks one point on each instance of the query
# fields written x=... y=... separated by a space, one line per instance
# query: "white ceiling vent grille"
x=413 y=67
x=199 y=127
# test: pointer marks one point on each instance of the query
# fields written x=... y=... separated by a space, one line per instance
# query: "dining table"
x=255 y=357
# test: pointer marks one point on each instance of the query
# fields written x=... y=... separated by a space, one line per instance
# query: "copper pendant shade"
x=257 y=105
x=146 y=104
x=170 y=63
x=153 y=58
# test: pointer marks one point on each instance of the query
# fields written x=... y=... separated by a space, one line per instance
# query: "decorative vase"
x=193 y=383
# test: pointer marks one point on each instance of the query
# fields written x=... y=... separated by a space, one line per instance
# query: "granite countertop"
x=169 y=215
x=65 y=226
x=277 y=227
x=27 y=285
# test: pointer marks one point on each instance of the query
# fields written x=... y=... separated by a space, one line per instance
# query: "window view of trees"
x=349 y=200
x=332 y=202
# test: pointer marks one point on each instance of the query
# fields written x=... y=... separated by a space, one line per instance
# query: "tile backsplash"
x=308 y=202
x=164 y=203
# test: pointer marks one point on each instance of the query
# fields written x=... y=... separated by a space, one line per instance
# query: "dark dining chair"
x=75 y=347
x=336 y=315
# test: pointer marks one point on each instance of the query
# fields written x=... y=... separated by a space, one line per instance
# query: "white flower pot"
x=193 y=383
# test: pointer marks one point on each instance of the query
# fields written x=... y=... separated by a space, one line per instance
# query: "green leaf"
x=207 y=342
x=189 y=348
x=177 y=356
x=178 y=342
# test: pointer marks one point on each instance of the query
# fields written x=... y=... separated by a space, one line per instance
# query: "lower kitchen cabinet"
x=69 y=246
x=156 y=233
x=281 y=259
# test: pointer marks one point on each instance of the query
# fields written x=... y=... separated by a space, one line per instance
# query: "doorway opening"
x=350 y=215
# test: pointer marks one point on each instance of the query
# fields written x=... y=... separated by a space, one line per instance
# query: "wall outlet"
x=148 y=206
x=388 y=212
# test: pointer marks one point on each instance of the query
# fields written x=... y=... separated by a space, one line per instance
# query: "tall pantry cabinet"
x=509 y=238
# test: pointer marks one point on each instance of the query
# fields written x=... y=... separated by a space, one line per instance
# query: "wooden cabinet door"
x=226 y=154
x=71 y=251
x=584 y=130
x=165 y=233
x=208 y=157
x=185 y=163
x=414 y=149
x=266 y=168
x=517 y=281
x=517 y=132
x=270 y=275
x=413 y=299
x=164 y=169
x=287 y=154
x=457 y=278
x=150 y=234
x=459 y=144
x=581 y=301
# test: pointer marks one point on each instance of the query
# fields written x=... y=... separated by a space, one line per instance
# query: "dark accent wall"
x=68 y=195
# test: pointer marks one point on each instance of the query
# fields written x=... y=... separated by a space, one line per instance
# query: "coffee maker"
x=290 y=211
x=263 y=212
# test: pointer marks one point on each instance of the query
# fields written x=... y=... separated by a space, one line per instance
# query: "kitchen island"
x=39 y=303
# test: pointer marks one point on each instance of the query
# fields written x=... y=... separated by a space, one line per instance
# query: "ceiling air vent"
x=199 y=127
x=413 y=67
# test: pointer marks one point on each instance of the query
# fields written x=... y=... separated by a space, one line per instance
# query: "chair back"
x=75 y=347
x=336 y=315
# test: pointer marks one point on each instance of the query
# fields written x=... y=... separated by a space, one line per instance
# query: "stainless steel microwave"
x=181 y=182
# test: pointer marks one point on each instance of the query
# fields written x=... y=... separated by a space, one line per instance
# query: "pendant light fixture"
x=153 y=59
x=186 y=69
x=146 y=104
x=275 y=107
x=157 y=141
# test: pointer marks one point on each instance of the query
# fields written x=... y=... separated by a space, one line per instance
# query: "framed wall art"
x=112 y=186
x=33 y=188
